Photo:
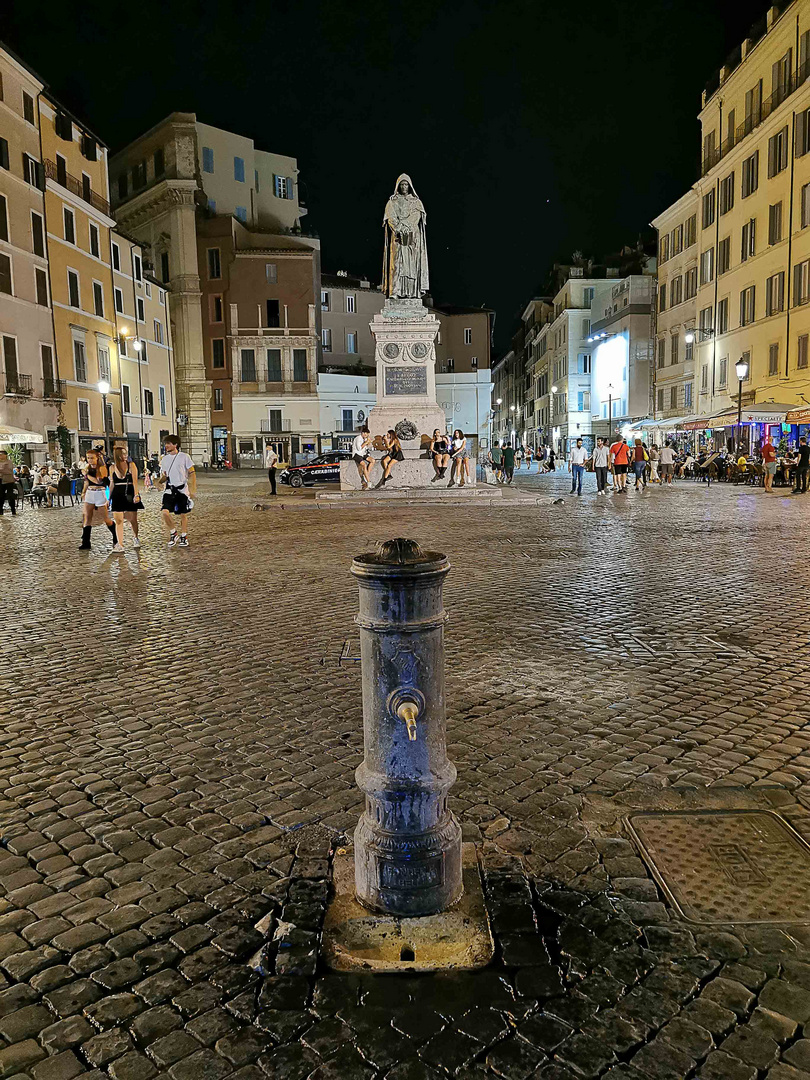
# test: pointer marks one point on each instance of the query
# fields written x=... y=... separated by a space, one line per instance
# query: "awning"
x=717 y=420
x=19 y=435
x=798 y=416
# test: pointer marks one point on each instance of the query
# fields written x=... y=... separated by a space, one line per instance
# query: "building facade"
x=622 y=343
x=31 y=392
x=348 y=304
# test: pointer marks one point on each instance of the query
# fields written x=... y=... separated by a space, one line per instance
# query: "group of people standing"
x=445 y=452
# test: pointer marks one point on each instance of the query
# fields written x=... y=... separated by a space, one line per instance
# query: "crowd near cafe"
x=725 y=430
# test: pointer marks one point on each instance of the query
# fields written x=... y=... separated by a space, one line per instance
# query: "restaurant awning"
x=18 y=435
x=798 y=416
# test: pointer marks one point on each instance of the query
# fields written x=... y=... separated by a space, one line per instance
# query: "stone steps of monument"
x=424 y=493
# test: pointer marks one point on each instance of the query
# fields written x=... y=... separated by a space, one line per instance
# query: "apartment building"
x=78 y=229
x=143 y=332
x=348 y=304
x=673 y=390
x=31 y=392
x=622 y=340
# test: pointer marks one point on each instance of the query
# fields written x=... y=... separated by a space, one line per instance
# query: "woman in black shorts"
x=393 y=452
x=124 y=497
x=440 y=452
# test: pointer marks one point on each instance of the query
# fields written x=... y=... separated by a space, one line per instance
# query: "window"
x=351 y=341
x=164 y=267
x=126 y=401
x=774 y=223
x=690 y=283
x=676 y=241
x=801 y=354
x=116 y=256
x=140 y=308
x=474 y=362
x=587 y=294
x=691 y=230
x=662 y=296
x=148 y=402
x=726 y=194
x=468 y=335
x=143 y=352
x=217 y=394
x=79 y=361
x=137 y=266
x=722 y=316
x=778 y=152
x=282 y=187
x=3 y=153
x=675 y=291
x=248 y=365
x=159 y=162
x=775 y=294
x=104 y=368
x=98 y=299
x=687 y=396
x=46 y=354
x=749 y=239
x=139 y=175
x=28 y=107
x=84 y=415
x=351 y=303
x=773 y=359
x=240 y=213
x=69 y=223
x=673 y=397
x=750 y=175
x=162 y=399
x=660 y=399
x=662 y=352
x=663 y=248
x=747 y=305
x=583 y=363
x=300 y=365
x=271 y=273
x=239 y=169
x=37 y=234
x=42 y=286
x=586 y=328
x=123 y=185
x=688 y=349
x=122 y=346
x=87 y=188
x=158 y=325
x=583 y=401
x=161 y=297
x=450 y=364
x=214 y=266
x=73 y=289
x=274 y=365
x=724 y=255
x=326 y=339
x=5 y=275
x=722 y=377
x=208 y=159
x=3 y=218
x=708 y=209
x=148 y=288
x=707 y=266
x=706 y=323
x=326 y=299
x=272 y=312
x=674 y=342
x=119 y=300
x=218 y=353
x=274 y=419
x=215 y=307
x=801 y=283
x=704 y=378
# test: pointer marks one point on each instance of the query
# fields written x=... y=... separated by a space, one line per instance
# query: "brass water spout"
x=408 y=711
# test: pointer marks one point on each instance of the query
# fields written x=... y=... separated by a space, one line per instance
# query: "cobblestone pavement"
x=178 y=737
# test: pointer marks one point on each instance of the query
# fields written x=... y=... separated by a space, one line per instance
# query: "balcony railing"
x=66 y=180
x=18 y=385
x=54 y=389
x=268 y=427
x=762 y=112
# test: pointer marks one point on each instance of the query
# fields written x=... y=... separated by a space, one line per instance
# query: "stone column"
x=407 y=843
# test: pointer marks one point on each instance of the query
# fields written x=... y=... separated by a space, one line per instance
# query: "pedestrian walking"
x=178 y=477
x=576 y=466
x=667 y=463
x=440 y=454
x=654 y=464
x=601 y=463
x=206 y=460
x=529 y=458
x=361 y=452
x=458 y=455
x=393 y=452
x=769 y=462
x=496 y=460
x=94 y=499
x=270 y=463
x=508 y=463
x=802 y=466
x=551 y=460
x=620 y=460
x=125 y=499
x=640 y=458
x=8 y=484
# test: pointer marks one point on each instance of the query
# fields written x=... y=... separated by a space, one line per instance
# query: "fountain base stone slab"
x=356 y=939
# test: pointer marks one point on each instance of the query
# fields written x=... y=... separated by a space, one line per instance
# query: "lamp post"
x=104 y=389
x=512 y=436
x=741 y=367
x=610 y=413
x=552 y=392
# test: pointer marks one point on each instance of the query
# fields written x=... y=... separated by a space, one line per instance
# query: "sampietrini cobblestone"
x=177 y=767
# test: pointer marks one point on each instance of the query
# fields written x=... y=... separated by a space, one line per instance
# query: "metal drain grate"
x=727 y=866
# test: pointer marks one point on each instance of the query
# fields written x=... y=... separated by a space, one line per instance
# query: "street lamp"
x=741 y=367
x=104 y=389
x=551 y=415
x=610 y=412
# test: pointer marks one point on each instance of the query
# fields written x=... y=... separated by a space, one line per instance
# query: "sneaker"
x=136 y=542
x=173 y=538
x=118 y=547
x=183 y=541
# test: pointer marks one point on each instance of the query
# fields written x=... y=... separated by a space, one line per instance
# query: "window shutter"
x=801 y=127
x=290 y=182
x=4 y=153
x=771 y=156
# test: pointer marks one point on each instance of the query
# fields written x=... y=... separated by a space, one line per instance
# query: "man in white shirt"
x=177 y=473
x=576 y=466
x=361 y=452
x=667 y=463
x=601 y=463
x=270 y=462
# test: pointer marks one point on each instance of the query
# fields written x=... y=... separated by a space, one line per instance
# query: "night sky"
x=530 y=129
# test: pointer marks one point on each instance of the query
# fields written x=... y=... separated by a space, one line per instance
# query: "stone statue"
x=405 y=265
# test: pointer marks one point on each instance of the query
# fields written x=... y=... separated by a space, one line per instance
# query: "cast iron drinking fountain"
x=415 y=901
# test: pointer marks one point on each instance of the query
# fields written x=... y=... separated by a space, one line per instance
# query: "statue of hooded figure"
x=405 y=264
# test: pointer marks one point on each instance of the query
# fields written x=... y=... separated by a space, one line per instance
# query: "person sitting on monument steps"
x=460 y=456
x=361 y=448
x=440 y=452
x=393 y=452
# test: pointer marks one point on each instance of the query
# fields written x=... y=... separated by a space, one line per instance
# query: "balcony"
x=762 y=112
x=268 y=427
x=54 y=389
x=82 y=190
x=18 y=386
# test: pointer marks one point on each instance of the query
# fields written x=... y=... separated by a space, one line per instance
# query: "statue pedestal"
x=405 y=348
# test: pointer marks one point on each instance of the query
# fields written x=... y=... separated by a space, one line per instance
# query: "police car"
x=324 y=469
